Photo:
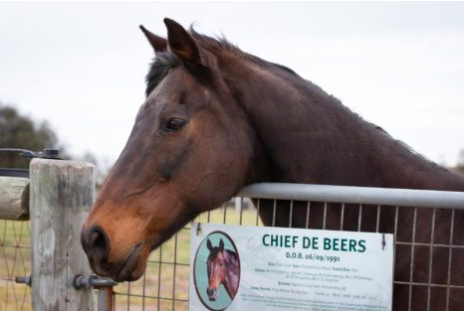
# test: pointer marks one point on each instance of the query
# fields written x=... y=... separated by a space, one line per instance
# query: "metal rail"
x=53 y=154
x=47 y=153
x=355 y=195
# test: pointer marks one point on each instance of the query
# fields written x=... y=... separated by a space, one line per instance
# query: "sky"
x=81 y=66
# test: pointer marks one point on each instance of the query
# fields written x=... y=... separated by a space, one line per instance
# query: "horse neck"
x=304 y=135
x=232 y=277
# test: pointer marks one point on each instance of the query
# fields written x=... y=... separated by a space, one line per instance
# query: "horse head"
x=189 y=151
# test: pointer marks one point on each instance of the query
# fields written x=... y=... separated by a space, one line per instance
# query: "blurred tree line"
x=19 y=131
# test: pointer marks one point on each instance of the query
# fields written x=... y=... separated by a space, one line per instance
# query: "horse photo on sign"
x=216 y=271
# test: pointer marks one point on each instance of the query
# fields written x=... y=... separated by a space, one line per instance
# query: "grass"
x=164 y=286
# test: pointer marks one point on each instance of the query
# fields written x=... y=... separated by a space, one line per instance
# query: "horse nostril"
x=96 y=243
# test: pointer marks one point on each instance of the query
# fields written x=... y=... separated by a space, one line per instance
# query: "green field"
x=164 y=286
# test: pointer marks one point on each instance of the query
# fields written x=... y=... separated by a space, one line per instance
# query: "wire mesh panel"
x=429 y=245
x=166 y=281
x=15 y=260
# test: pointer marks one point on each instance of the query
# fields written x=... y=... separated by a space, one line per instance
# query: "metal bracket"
x=53 y=154
x=24 y=280
x=94 y=281
x=79 y=281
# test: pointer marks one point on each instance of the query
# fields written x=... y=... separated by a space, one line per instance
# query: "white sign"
x=263 y=268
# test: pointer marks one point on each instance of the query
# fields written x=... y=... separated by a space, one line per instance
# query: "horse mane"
x=231 y=252
x=232 y=255
x=215 y=46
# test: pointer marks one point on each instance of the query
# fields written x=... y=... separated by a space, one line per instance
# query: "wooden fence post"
x=14 y=198
x=61 y=194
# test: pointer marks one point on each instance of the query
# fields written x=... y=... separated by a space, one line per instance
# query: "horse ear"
x=181 y=43
x=209 y=245
x=221 y=245
x=158 y=43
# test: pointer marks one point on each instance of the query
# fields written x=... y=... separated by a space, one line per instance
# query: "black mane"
x=164 y=61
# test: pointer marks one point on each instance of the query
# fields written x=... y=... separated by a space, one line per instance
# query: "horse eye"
x=175 y=124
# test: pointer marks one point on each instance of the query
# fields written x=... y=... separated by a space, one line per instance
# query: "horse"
x=216 y=119
x=223 y=268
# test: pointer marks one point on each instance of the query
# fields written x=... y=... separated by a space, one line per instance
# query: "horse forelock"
x=213 y=253
x=159 y=68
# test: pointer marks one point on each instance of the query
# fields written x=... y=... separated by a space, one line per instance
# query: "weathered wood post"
x=14 y=198
x=61 y=194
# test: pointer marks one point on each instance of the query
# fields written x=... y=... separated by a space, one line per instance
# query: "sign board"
x=263 y=268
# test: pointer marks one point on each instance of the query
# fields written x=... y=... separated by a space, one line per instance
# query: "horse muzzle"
x=212 y=292
x=95 y=243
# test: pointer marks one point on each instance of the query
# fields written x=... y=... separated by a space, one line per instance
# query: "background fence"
x=15 y=246
x=15 y=260
x=428 y=228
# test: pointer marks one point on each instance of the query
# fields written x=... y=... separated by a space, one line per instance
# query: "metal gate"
x=428 y=227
